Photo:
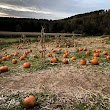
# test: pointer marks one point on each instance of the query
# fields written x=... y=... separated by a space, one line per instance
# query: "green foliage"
x=93 y=23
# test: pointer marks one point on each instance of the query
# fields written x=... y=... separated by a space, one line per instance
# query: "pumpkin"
x=56 y=58
x=16 y=54
x=26 y=52
x=105 y=52
x=95 y=57
x=4 y=58
x=99 y=50
x=65 y=61
x=3 y=49
x=73 y=58
x=85 y=49
x=66 y=52
x=49 y=55
x=8 y=56
x=108 y=57
x=24 y=55
x=14 y=61
x=53 y=60
x=83 y=62
x=29 y=102
x=93 y=50
x=32 y=98
x=65 y=56
x=3 y=69
x=96 y=54
x=5 y=53
x=80 y=49
x=26 y=65
x=94 y=61
x=22 y=58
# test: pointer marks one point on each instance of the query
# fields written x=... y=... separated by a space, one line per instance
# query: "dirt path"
x=67 y=79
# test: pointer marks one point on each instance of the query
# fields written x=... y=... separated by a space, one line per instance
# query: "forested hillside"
x=92 y=23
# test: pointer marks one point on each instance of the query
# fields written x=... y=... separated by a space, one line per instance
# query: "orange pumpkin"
x=65 y=61
x=83 y=62
x=105 y=52
x=66 y=52
x=29 y=102
x=14 y=61
x=108 y=57
x=16 y=54
x=22 y=58
x=65 y=56
x=4 y=58
x=49 y=55
x=8 y=56
x=27 y=65
x=95 y=57
x=99 y=50
x=93 y=50
x=80 y=49
x=73 y=58
x=3 y=69
x=26 y=52
x=53 y=60
x=96 y=54
x=94 y=61
x=3 y=49
x=24 y=55
x=85 y=49
x=56 y=58
x=5 y=53
x=32 y=98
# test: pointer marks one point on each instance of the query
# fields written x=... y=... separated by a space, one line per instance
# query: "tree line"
x=92 y=23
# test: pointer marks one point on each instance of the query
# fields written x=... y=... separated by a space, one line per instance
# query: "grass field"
x=56 y=85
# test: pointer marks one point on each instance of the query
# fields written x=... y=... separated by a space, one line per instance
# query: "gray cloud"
x=49 y=9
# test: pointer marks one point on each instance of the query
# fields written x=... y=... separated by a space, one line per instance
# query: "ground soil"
x=68 y=79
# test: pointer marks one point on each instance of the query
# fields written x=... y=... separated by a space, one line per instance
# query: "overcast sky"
x=49 y=9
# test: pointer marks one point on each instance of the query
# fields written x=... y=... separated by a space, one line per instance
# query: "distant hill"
x=91 y=23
